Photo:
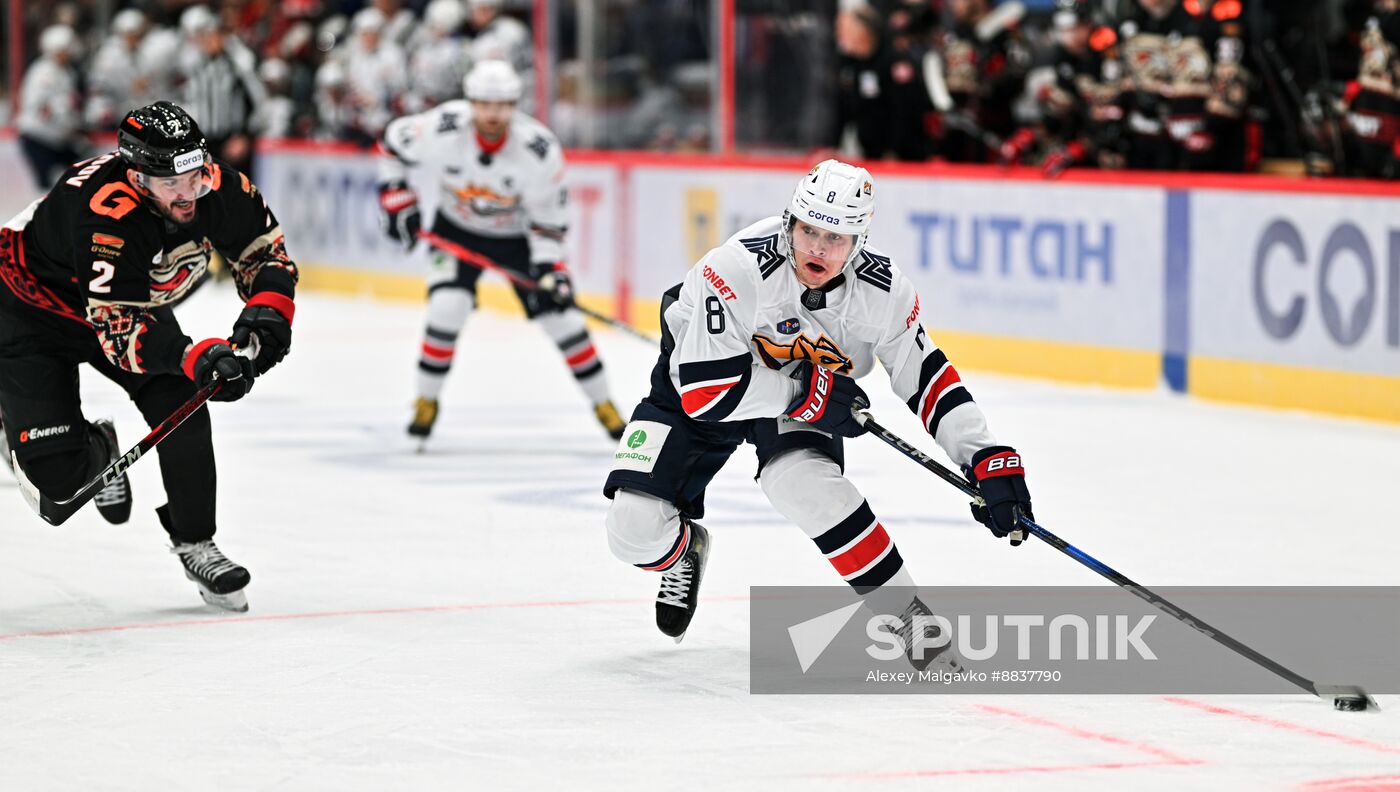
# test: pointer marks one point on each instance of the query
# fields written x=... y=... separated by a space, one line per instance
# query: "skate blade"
x=679 y=638
x=237 y=601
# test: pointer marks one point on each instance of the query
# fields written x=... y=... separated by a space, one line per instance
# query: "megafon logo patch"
x=39 y=433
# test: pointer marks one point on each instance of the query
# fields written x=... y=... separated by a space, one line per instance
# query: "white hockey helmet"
x=492 y=81
x=198 y=19
x=367 y=20
x=56 y=39
x=128 y=20
x=835 y=196
x=444 y=16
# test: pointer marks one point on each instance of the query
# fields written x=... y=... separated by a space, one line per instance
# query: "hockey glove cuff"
x=213 y=359
x=827 y=400
x=1000 y=477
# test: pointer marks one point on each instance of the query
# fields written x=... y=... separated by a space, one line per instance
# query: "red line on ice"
x=221 y=620
x=1377 y=783
x=1296 y=728
x=1166 y=756
x=1163 y=758
x=1001 y=770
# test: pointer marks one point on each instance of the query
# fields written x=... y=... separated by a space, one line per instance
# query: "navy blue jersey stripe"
x=927 y=372
x=705 y=370
x=951 y=399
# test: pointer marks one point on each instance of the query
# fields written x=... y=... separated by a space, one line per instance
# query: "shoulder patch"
x=539 y=146
x=765 y=250
x=447 y=122
x=875 y=270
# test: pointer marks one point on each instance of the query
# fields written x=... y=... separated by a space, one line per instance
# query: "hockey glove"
x=554 y=282
x=398 y=213
x=999 y=476
x=213 y=359
x=827 y=400
x=268 y=318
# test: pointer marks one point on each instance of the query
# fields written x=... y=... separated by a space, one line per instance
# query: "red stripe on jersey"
x=947 y=379
x=695 y=401
x=436 y=352
x=579 y=358
x=676 y=554
x=859 y=555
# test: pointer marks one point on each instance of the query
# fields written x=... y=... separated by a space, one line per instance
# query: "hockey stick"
x=481 y=262
x=1344 y=697
x=57 y=512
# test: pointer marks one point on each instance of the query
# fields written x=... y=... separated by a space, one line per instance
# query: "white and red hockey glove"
x=398 y=213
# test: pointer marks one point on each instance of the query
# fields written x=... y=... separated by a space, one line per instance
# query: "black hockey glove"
x=214 y=359
x=1000 y=477
x=398 y=213
x=827 y=400
x=267 y=317
x=554 y=282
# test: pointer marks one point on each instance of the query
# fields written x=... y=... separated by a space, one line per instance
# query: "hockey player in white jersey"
x=763 y=342
x=438 y=60
x=501 y=194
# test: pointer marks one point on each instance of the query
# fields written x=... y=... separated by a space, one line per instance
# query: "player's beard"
x=177 y=215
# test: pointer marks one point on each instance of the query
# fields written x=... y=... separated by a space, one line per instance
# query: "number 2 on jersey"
x=102 y=277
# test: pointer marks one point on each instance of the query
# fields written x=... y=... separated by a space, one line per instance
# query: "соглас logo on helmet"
x=188 y=161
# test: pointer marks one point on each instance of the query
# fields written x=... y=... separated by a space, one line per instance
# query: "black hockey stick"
x=56 y=512
x=482 y=262
x=1344 y=697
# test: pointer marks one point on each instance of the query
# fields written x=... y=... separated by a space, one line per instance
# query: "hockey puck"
x=1349 y=703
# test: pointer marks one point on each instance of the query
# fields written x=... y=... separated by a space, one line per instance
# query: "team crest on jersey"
x=823 y=352
x=789 y=326
x=484 y=200
x=177 y=271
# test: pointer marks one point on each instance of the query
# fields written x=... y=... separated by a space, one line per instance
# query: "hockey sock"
x=448 y=310
x=808 y=488
x=571 y=336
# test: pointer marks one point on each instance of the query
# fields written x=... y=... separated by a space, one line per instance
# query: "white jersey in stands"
x=509 y=189
x=741 y=317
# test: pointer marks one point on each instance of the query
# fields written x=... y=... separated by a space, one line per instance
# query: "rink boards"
x=1267 y=291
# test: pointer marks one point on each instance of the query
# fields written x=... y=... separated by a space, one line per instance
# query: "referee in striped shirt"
x=223 y=94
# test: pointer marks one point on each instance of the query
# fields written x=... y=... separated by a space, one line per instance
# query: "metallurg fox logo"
x=822 y=352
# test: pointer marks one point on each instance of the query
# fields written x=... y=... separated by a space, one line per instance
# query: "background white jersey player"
x=763 y=343
x=501 y=194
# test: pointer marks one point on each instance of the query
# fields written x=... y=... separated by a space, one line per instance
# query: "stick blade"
x=1348 y=698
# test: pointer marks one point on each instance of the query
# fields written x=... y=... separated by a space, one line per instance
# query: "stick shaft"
x=1139 y=591
x=57 y=512
x=481 y=262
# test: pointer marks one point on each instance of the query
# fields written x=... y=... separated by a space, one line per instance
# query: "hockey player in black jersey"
x=89 y=274
x=763 y=343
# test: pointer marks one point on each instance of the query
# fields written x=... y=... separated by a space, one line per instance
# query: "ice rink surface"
x=454 y=620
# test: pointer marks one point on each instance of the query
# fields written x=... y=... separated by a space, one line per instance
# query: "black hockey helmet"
x=1070 y=13
x=161 y=139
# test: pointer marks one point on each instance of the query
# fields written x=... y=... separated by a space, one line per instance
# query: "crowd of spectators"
x=1201 y=85
x=1144 y=84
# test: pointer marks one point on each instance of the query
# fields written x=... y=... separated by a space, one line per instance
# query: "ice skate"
x=943 y=657
x=610 y=418
x=114 y=500
x=220 y=581
x=425 y=413
x=679 y=596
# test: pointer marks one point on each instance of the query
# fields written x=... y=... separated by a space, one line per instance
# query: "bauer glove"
x=827 y=400
x=1000 y=477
